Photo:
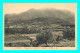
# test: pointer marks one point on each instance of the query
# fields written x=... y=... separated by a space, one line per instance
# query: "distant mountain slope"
x=42 y=15
x=42 y=20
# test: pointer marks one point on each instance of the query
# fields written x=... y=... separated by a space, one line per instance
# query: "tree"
x=69 y=33
x=44 y=36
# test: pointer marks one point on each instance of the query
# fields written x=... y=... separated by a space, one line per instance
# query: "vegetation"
x=69 y=33
x=44 y=36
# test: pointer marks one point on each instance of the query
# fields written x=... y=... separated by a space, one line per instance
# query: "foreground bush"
x=43 y=37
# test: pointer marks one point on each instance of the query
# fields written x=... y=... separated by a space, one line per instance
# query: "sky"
x=9 y=8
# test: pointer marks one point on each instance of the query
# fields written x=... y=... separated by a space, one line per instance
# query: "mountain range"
x=53 y=16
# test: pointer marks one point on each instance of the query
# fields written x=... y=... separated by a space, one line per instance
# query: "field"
x=23 y=40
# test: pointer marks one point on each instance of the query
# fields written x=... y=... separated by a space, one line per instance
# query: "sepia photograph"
x=39 y=26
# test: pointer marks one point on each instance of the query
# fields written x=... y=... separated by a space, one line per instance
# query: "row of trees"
x=20 y=30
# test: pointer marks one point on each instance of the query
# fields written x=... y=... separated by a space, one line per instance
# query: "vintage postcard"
x=39 y=26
